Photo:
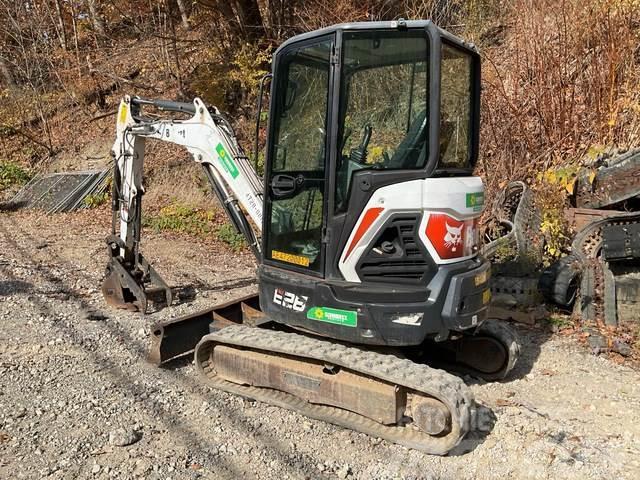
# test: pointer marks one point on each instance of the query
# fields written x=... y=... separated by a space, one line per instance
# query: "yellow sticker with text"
x=290 y=258
x=122 y=115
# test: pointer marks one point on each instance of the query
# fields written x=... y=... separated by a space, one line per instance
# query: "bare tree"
x=249 y=18
x=242 y=18
x=279 y=16
x=7 y=76
x=60 y=17
x=183 y=14
x=96 y=17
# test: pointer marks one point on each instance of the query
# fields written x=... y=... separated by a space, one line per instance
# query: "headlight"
x=406 y=318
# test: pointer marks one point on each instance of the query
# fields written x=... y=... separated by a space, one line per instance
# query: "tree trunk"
x=96 y=18
x=75 y=38
x=7 y=76
x=249 y=18
x=240 y=19
x=63 y=33
x=278 y=17
x=183 y=14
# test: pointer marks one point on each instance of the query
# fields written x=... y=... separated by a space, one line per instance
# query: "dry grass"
x=559 y=77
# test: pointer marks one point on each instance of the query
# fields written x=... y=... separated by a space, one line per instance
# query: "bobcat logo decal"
x=453 y=237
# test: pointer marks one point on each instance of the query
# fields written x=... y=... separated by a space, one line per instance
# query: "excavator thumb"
x=132 y=286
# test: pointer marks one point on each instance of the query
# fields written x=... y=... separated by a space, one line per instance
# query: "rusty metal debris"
x=617 y=179
x=607 y=219
x=608 y=223
x=518 y=227
x=518 y=224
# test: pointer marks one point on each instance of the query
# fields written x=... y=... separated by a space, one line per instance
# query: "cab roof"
x=385 y=25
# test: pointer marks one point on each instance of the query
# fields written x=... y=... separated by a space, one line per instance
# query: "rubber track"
x=509 y=339
x=586 y=246
x=439 y=384
x=581 y=240
x=556 y=280
x=514 y=210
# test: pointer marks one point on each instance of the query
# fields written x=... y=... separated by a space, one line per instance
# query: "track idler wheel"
x=429 y=415
x=490 y=354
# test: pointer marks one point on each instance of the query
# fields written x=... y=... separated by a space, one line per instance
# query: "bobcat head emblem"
x=453 y=237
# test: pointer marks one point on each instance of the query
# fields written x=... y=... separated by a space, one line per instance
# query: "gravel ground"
x=78 y=399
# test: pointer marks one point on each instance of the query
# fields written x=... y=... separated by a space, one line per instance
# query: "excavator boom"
x=210 y=140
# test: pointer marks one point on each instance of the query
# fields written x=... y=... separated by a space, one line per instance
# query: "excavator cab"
x=373 y=130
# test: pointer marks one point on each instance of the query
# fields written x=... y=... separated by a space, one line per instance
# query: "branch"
x=104 y=115
x=19 y=131
x=128 y=79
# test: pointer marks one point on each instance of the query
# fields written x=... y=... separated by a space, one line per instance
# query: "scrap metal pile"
x=600 y=278
x=603 y=264
x=513 y=243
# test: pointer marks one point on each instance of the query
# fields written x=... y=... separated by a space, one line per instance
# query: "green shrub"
x=195 y=221
x=182 y=218
x=12 y=174
x=228 y=234
x=96 y=199
x=559 y=322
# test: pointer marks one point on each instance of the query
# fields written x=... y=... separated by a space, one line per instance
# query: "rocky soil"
x=78 y=399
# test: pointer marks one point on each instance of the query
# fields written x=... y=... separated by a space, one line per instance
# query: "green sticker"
x=227 y=161
x=346 y=318
x=475 y=200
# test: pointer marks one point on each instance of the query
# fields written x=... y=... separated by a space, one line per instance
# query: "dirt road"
x=78 y=400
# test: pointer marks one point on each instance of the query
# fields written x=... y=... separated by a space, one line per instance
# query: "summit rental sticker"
x=475 y=201
x=227 y=161
x=346 y=318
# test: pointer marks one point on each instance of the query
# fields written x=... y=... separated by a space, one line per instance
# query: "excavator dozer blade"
x=178 y=337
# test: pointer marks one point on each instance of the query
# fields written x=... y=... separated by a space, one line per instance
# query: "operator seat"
x=413 y=148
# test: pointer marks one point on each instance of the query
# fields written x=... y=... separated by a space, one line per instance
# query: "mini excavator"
x=364 y=227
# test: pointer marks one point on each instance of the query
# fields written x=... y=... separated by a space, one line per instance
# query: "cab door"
x=297 y=157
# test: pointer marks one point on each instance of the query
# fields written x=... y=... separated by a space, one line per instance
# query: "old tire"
x=559 y=283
